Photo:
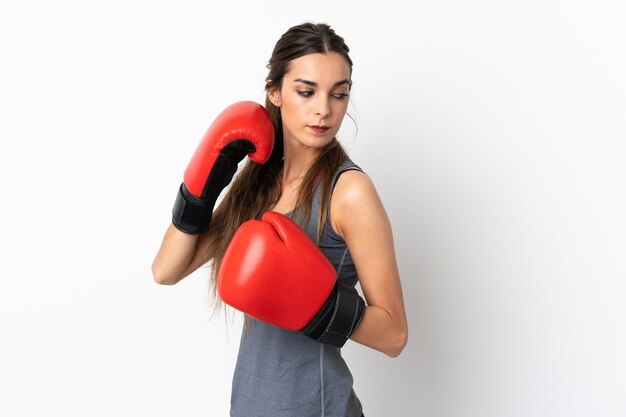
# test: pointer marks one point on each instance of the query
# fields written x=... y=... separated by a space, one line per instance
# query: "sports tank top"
x=280 y=373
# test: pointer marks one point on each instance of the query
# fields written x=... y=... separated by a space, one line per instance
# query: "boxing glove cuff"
x=191 y=214
x=338 y=318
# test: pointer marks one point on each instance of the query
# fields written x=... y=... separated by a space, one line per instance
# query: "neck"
x=297 y=160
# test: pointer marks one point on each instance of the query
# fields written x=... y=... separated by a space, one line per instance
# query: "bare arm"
x=243 y=128
x=359 y=217
x=181 y=254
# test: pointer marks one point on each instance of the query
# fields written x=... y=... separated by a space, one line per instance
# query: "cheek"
x=290 y=115
x=293 y=108
x=341 y=108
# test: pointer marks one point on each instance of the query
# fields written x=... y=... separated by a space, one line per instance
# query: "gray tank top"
x=280 y=373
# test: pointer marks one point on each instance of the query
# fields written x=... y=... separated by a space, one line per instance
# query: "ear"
x=274 y=96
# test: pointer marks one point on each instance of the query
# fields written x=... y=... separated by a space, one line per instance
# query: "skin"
x=303 y=105
x=315 y=92
x=357 y=213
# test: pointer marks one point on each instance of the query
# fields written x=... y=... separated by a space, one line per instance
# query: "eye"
x=305 y=93
x=341 y=96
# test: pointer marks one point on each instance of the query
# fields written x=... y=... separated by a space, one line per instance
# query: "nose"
x=322 y=107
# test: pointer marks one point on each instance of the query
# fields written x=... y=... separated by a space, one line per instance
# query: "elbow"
x=399 y=342
x=161 y=277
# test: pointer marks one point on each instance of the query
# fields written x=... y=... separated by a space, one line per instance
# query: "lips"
x=319 y=129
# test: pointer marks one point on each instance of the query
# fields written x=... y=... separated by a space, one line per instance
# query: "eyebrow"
x=314 y=84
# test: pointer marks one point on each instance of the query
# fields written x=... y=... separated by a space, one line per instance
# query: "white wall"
x=494 y=132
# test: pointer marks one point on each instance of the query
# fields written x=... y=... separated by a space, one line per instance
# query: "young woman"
x=304 y=175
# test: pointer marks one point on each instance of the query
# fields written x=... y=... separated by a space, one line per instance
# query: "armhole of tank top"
x=329 y=223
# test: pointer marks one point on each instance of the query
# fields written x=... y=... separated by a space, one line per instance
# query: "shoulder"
x=352 y=187
x=355 y=201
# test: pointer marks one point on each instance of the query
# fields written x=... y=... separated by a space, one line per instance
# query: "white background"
x=493 y=130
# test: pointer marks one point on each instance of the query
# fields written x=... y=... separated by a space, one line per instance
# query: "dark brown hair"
x=257 y=187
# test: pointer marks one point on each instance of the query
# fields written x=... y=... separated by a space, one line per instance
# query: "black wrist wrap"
x=338 y=318
x=191 y=214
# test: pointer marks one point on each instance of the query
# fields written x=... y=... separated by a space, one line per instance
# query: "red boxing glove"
x=274 y=272
x=242 y=128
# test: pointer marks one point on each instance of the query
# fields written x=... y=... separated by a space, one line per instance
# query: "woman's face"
x=313 y=99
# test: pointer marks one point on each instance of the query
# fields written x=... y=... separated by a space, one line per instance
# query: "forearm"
x=382 y=331
x=243 y=128
x=174 y=257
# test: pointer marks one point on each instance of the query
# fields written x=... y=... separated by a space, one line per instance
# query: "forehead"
x=321 y=68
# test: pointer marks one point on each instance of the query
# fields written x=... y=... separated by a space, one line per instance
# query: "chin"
x=320 y=140
x=318 y=144
x=315 y=142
